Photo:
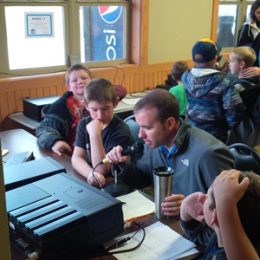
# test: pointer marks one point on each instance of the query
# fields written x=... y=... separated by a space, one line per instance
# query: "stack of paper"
x=135 y=205
x=161 y=242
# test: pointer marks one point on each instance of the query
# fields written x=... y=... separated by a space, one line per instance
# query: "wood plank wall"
x=134 y=77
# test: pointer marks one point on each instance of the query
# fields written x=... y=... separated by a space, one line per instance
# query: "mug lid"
x=163 y=171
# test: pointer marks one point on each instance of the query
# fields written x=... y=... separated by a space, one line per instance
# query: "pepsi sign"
x=110 y=14
x=106 y=33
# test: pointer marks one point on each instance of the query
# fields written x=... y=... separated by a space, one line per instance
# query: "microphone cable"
x=124 y=240
x=121 y=242
x=93 y=173
x=96 y=179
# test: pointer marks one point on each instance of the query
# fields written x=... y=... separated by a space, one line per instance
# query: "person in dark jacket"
x=249 y=32
x=57 y=131
x=214 y=105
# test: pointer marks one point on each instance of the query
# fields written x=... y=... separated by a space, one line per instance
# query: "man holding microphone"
x=195 y=156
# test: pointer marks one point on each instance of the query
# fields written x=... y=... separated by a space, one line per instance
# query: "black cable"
x=123 y=240
x=93 y=174
x=96 y=179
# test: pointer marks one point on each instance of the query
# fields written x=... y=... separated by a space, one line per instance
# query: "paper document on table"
x=130 y=101
x=4 y=152
x=136 y=205
x=161 y=242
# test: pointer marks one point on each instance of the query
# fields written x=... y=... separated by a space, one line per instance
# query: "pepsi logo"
x=110 y=14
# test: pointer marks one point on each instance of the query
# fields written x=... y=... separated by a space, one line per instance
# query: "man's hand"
x=115 y=155
x=96 y=179
x=192 y=207
x=171 y=205
x=61 y=147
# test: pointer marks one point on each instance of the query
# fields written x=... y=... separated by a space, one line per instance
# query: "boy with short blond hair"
x=242 y=58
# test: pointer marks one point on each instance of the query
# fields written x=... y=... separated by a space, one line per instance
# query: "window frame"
x=241 y=16
x=72 y=34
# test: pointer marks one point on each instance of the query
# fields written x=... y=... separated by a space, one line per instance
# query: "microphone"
x=135 y=148
x=120 y=188
x=130 y=150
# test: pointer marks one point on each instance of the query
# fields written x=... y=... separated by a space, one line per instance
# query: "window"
x=35 y=38
x=231 y=15
x=39 y=35
x=102 y=33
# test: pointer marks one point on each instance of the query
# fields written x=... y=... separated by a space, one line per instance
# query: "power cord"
x=124 y=240
x=121 y=242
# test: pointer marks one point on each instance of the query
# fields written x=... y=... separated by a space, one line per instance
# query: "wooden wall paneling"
x=61 y=89
x=4 y=106
x=12 y=101
x=131 y=86
x=135 y=78
x=146 y=80
x=46 y=91
x=33 y=92
x=39 y=92
x=136 y=82
x=20 y=96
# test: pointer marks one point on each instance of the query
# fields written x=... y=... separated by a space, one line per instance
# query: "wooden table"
x=18 y=140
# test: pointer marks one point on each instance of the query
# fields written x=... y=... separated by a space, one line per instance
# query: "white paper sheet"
x=161 y=242
x=135 y=205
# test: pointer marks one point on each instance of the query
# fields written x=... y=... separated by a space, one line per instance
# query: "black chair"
x=246 y=158
x=134 y=128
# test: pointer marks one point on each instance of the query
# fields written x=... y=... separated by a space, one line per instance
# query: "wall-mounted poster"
x=39 y=24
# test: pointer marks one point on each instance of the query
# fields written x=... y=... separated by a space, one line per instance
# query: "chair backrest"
x=134 y=128
x=246 y=158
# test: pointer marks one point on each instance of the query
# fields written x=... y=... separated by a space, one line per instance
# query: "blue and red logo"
x=110 y=14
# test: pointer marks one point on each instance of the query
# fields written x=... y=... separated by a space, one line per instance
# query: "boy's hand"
x=192 y=207
x=171 y=204
x=227 y=189
x=94 y=127
x=61 y=147
x=96 y=179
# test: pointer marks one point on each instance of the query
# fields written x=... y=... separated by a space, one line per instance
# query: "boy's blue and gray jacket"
x=213 y=103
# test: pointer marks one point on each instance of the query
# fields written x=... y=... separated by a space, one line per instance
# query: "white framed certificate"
x=39 y=24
